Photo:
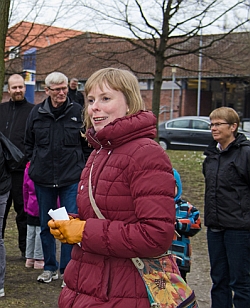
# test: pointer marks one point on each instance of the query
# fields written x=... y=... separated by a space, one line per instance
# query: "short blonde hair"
x=118 y=80
x=228 y=114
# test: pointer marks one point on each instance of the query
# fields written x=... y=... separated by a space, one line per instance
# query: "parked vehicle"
x=187 y=133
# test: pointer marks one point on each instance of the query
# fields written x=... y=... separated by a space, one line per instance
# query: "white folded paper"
x=59 y=214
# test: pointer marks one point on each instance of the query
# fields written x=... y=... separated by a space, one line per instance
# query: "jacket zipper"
x=12 y=119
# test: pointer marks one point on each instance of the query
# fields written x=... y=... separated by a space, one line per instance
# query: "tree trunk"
x=156 y=97
x=4 y=21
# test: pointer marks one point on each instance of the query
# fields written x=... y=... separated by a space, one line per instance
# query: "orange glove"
x=67 y=231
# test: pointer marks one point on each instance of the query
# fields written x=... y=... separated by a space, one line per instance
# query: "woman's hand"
x=67 y=231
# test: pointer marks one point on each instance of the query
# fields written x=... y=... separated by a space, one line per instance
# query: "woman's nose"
x=95 y=105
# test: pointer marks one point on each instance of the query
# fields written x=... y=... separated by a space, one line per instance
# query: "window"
x=5 y=87
x=179 y=124
x=197 y=124
x=40 y=86
x=14 y=52
x=81 y=85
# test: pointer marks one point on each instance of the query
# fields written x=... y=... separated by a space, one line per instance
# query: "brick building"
x=225 y=70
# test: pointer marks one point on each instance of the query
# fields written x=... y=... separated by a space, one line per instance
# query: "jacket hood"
x=178 y=184
x=122 y=130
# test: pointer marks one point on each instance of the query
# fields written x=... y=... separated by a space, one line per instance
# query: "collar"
x=23 y=101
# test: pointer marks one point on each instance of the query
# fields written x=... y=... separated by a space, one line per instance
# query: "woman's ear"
x=233 y=127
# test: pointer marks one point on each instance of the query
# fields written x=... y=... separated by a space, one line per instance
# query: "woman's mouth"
x=98 y=119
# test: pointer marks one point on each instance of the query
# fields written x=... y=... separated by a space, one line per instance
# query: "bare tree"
x=44 y=11
x=168 y=31
x=4 y=13
x=35 y=11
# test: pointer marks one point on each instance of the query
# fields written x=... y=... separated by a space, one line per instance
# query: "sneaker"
x=29 y=263
x=47 y=276
x=38 y=264
x=2 y=292
x=63 y=284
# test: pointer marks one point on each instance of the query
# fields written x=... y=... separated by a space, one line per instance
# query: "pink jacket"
x=133 y=186
x=29 y=195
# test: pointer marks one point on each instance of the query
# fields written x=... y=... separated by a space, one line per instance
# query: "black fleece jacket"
x=13 y=116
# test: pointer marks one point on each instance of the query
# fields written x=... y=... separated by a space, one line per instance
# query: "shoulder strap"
x=92 y=200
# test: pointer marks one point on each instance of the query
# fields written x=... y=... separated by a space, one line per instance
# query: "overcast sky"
x=68 y=14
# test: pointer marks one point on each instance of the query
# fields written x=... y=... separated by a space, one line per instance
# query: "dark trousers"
x=229 y=253
x=183 y=275
x=47 y=198
x=16 y=196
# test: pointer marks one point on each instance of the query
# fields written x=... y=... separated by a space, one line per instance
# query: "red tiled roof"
x=27 y=35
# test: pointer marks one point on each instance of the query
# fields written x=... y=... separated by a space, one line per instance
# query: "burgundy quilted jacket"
x=133 y=186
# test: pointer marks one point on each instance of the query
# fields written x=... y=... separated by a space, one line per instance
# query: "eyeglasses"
x=217 y=124
x=58 y=90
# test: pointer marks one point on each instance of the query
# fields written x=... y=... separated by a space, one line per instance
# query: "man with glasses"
x=58 y=153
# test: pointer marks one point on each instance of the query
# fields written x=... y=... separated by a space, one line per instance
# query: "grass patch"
x=189 y=165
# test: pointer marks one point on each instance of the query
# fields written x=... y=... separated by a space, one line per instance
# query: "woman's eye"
x=105 y=99
x=90 y=101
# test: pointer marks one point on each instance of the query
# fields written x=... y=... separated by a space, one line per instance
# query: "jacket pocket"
x=42 y=134
x=71 y=135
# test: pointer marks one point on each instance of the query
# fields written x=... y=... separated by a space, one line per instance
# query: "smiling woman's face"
x=222 y=131
x=105 y=105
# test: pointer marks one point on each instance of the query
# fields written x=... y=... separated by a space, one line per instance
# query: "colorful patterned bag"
x=165 y=286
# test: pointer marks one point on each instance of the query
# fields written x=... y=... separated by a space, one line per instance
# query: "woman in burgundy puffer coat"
x=133 y=186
